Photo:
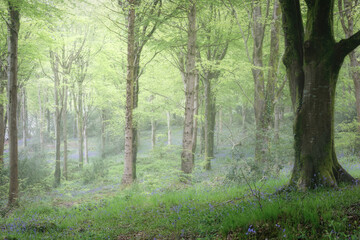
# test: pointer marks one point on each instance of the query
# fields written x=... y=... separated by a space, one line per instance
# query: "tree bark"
x=209 y=121
x=13 y=34
x=80 y=125
x=168 y=116
x=64 y=116
x=55 y=67
x=313 y=60
x=187 y=155
x=25 y=117
x=153 y=133
x=129 y=168
x=86 y=143
x=103 y=134
x=41 y=130
x=3 y=79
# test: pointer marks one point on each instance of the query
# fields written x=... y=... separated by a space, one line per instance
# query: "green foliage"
x=34 y=170
x=348 y=139
x=95 y=171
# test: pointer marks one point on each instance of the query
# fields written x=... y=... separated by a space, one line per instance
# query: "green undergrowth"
x=194 y=212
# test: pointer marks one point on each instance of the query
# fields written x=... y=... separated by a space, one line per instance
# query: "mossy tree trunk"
x=313 y=59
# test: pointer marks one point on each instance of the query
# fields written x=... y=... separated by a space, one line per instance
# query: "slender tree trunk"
x=103 y=136
x=80 y=124
x=86 y=144
x=41 y=121
x=153 y=133
x=128 y=175
x=187 y=155
x=55 y=67
x=243 y=117
x=2 y=118
x=196 y=111
x=13 y=31
x=258 y=75
x=209 y=122
x=277 y=123
x=64 y=116
x=48 y=118
x=169 y=127
x=219 y=128
x=25 y=117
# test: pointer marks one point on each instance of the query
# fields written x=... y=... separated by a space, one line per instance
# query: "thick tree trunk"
x=168 y=116
x=129 y=168
x=187 y=155
x=313 y=66
x=13 y=32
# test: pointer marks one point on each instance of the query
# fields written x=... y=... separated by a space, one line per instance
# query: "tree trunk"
x=313 y=66
x=25 y=117
x=187 y=155
x=2 y=117
x=41 y=130
x=80 y=124
x=243 y=117
x=48 y=118
x=209 y=122
x=55 y=67
x=153 y=133
x=103 y=136
x=13 y=31
x=196 y=111
x=64 y=116
x=169 y=127
x=219 y=128
x=129 y=168
x=86 y=143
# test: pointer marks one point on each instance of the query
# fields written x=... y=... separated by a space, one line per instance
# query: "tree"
x=313 y=60
x=13 y=36
x=266 y=91
x=217 y=36
x=187 y=155
x=142 y=22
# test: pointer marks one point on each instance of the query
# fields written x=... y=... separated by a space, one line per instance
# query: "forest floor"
x=217 y=204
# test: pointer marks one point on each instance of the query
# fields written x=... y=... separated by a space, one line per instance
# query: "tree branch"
x=346 y=46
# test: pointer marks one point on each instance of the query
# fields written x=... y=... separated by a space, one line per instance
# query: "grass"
x=193 y=213
x=159 y=206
